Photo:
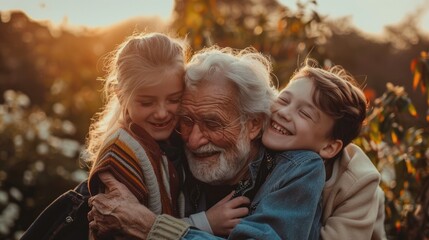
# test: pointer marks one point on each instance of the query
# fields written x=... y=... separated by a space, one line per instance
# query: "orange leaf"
x=410 y=167
x=398 y=225
x=281 y=25
x=417 y=78
x=412 y=110
x=413 y=65
x=394 y=137
x=423 y=87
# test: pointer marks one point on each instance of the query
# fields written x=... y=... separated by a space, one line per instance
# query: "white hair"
x=247 y=69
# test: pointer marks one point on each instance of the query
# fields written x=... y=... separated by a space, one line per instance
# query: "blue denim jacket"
x=287 y=206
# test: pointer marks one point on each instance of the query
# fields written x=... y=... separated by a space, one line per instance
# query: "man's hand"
x=117 y=211
x=225 y=214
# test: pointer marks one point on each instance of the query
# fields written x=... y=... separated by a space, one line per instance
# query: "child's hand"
x=225 y=214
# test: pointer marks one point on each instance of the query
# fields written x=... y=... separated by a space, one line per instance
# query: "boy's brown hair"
x=337 y=94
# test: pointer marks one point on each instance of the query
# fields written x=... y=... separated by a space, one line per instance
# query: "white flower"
x=39 y=166
x=23 y=100
x=43 y=129
x=30 y=134
x=11 y=213
x=7 y=218
x=388 y=175
x=28 y=177
x=7 y=118
x=57 y=87
x=79 y=175
x=42 y=149
x=4 y=229
x=70 y=147
x=4 y=197
x=9 y=96
x=15 y=193
x=36 y=117
x=59 y=108
x=18 y=140
x=68 y=127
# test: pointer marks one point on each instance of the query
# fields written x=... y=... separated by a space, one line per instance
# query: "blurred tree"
x=57 y=68
x=375 y=61
x=40 y=139
x=16 y=59
x=48 y=64
x=400 y=154
x=273 y=29
x=420 y=70
x=36 y=165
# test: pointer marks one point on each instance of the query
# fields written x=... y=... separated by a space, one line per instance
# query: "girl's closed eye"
x=146 y=103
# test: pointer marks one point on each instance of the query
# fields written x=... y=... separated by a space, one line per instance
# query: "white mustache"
x=208 y=148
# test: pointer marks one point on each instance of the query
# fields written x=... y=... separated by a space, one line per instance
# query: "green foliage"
x=36 y=164
x=285 y=35
x=40 y=139
x=400 y=154
x=420 y=70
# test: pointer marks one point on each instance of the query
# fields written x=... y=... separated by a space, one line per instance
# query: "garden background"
x=49 y=92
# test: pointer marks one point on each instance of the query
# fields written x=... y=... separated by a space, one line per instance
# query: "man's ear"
x=255 y=127
x=331 y=149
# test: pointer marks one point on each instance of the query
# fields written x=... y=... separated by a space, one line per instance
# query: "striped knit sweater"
x=136 y=160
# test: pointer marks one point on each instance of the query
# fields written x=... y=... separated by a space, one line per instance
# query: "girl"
x=143 y=88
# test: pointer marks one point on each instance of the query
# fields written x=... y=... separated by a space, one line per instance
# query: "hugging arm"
x=118 y=211
x=289 y=206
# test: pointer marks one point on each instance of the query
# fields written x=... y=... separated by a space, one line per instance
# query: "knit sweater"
x=136 y=160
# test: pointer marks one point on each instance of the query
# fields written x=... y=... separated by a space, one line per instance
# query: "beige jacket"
x=353 y=203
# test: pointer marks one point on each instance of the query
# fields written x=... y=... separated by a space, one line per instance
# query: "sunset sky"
x=368 y=15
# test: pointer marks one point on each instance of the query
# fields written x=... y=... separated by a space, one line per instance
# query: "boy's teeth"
x=280 y=129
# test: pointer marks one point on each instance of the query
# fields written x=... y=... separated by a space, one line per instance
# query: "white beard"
x=224 y=168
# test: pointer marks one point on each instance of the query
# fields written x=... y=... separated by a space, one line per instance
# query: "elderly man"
x=225 y=107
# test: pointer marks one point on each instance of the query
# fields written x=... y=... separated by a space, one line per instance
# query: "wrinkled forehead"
x=207 y=96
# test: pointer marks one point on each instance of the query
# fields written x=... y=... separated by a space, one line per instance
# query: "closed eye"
x=175 y=100
x=146 y=103
x=306 y=114
x=212 y=125
x=283 y=101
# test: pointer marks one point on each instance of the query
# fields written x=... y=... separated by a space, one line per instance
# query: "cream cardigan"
x=352 y=199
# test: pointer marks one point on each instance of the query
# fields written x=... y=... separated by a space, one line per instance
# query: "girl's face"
x=296 y=122
x=154 y=108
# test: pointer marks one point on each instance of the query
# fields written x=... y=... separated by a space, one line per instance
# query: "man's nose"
x=196 y=138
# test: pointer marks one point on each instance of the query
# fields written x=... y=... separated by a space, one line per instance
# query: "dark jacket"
x=65 y=218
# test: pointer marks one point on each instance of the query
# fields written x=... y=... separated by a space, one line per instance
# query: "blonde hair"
x=337 y=94
x=127 y=69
